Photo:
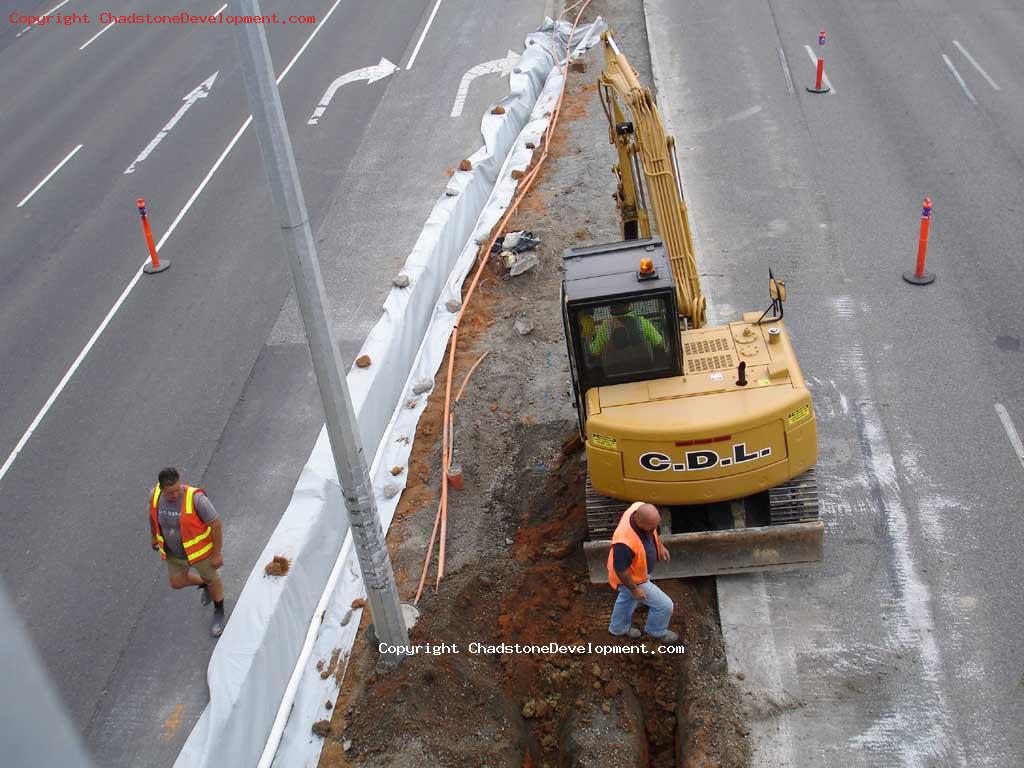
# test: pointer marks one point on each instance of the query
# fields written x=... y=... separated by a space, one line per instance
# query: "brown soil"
x=515 y=571
x=279 y=566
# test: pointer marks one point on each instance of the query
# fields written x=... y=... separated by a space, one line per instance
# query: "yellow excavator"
x=714 y=425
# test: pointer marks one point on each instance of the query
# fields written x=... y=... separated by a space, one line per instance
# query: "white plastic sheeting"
x=255 y=659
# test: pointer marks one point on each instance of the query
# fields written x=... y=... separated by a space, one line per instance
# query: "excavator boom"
x=636 y=129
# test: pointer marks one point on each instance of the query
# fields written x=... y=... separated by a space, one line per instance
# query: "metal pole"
x=34 y=726
x=342 y=429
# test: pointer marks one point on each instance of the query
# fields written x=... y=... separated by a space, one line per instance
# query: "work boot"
x=204 y=594
x=633 y=633
x=669 y=638
x=217 y=626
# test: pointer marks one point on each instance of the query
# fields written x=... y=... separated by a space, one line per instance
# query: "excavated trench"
x=515 y=572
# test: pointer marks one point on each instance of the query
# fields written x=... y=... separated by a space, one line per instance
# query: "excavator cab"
x=622 y=321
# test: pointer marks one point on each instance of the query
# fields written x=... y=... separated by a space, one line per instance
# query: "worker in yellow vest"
x=188 y=535
x=636 y=548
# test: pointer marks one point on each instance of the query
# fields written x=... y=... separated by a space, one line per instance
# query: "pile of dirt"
x=515 y=571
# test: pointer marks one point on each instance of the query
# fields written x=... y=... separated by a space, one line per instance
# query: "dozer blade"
x=712 y=553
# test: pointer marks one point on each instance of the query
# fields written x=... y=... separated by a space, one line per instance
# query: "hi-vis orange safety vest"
x=195 y=534
x=624 y=534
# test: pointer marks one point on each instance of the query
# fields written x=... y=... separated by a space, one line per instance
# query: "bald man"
x=636 y=548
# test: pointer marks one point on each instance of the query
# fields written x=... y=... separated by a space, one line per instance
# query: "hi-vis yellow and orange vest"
x=624 y=534
x=195 y=534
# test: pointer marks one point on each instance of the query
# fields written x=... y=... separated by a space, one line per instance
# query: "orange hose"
x=524 y=187
x=426 y=560
x=451 y=414
x=465 y=381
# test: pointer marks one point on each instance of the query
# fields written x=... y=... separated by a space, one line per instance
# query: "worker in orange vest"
x=188 y=535
x=636 y=548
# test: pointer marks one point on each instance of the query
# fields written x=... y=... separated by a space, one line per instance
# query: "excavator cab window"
x=623 y=340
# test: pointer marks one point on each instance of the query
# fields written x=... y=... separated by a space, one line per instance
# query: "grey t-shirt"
x=168 y=513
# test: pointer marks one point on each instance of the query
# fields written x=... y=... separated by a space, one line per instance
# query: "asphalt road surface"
x=203 y=366
x=903 y=647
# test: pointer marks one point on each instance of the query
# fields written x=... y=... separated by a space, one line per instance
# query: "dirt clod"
x=322 y=728
x=363 y=361
x=465 y=165
x=279 y=566
x=358 y=603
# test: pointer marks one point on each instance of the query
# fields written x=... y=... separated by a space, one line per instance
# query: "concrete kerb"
x=254 y=660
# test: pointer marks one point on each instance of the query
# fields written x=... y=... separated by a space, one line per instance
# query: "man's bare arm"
x=217 y=537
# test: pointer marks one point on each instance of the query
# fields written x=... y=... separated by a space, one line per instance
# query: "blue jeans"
x=657 y=618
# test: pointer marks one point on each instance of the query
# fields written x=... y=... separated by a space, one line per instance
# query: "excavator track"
x=794 y=536
x=795 y=501
x=603 y=513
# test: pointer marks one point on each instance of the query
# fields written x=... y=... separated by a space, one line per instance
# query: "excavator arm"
x=648 y=173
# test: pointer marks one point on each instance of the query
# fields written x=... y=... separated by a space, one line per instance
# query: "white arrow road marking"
x=369 y=74
x=49 y=176
x=504 y=66
x=201 y=91
x=58 y=5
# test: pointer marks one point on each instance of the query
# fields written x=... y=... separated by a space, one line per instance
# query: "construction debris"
x=278 y=566
x=400 y=281
x=517 y=242
x=523 y=262
x=523 y=326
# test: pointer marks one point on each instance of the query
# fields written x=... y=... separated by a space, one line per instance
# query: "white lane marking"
x=9 y=462
x=423 y=36
x=504 y=66
x=58 y=5
x=201 y=91
x=977 y=66
x=1011 y=431
x=86 y=43
x=785 y=71
x=49 y=176
x=915 y=627
x=220 y=10
x=749 y=112
x=824 y=77
x=305 y=45
x=959 y=79
x=370 y=74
